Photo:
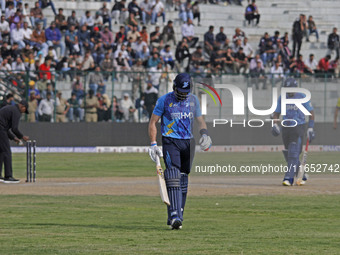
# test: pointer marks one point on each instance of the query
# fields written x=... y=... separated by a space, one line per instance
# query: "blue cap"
x=290 y=83
x=183 y=82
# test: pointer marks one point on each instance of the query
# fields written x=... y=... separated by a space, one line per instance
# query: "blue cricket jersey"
x=177 y=116
x=293 y=112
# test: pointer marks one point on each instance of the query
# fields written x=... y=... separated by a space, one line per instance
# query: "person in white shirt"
x=10 y=11
x=188 y=32
x=18 y=66
x=277 y=73
x=253 y=62
x=17 y=36
x=27 y=33
x=4 y=28
x=146 y=8
x=247 y=49
x=139 y=45
x=155 y=74
x=167 y=56
x=122 y=49
x=87 y=20
x=46 y=108
x=128 y=108
x=157 y=11
x=312 y=63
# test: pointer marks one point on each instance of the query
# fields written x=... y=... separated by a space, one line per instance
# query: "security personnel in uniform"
x=9 y=121
x=90 y=104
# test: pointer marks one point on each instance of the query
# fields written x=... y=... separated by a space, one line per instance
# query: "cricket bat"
x=302 y=166
x=161 y=181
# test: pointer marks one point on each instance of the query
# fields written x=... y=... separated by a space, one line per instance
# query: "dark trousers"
x=297 y=42
x=250 y=17
x=178 y=153
x=5 y=154
x=293 y=134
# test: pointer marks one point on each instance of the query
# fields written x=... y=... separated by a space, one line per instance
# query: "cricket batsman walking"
x=294 y=131
x=177 y=111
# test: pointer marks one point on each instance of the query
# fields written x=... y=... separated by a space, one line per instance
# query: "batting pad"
x=173 y=183
x=184 y=188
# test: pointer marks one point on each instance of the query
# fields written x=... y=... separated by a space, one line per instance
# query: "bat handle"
x=158 y=162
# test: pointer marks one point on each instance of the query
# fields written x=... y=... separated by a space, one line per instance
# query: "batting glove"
x=276 y=130
x=155 y=151
x=205 y=142
x=310 y=134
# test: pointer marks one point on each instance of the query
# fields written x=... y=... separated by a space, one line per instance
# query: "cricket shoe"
x=2 y=179
x=11 y=180
x=176 y=223
x=286 y=183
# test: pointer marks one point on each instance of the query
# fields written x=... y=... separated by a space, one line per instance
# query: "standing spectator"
x=128 y=108
x=252 y=13
x=157 y=11
x=53 y=38
x=146 y=8
x=189 y=33
x=62 y=107
x=239 y=35
x=45 y=3
x=87 y=20
x=333 y=42
x=312 y=28
x=196 y=12
x=298 y=32
x=221 y=37
x=311 y=63
x=137 y=78
x=96 y=81
x=277 y=73
x=248 y=50
x=46 y=108
x=32 y=107
x=90 y=105
x=104 y=109
x=60 y=20
x=169 y=33
x=156 y=75
x=241 y=61
x=73 y=20
x=119 y=13
x=209 y=41
x=258 y=75
x=150 y=98
x=37 y=15
x=185 y=11
x=75 y=111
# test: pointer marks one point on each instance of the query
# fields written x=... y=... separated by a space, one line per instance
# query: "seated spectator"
x=258 y=75
x=333 y=42
x=185 y=11
x=146 y=8
x=41 y=84
x=156 y=39
x=98 y=20
x=237 y=45
x=144 y=55
x=121 y=64
x=90 y=105
x=189 y=33
x=37 y=16
x=10 y=11
x=71 y=41
x=196 y=12
x=301 y=67
x=46 y=108
x=87 y=63
x=167 y=56
x=130 y=22
x=263 y=42
x=98 y=53
x=17 y=36
x=4 y=28
x=241 y=61
x=134 y=8
x=77 y=89
x=311 y=63
x=197 y=71
x=128 y=108
x=144 y=35
x=157 y=11
x=209 y=41
x=96 y=81
x=120 y=34
x=60 y=20
x=62 y=107
x=277 y=73
x=75 y=113
x=73 y=20
x=132 y=56
x=53 y=38
x=150 y=98
x=139 y=45
x=107 y=66
x=15 y=19
x=95 y=36
x=268 y=54
x=49 y=89
x=292 y=65
x=84 y=39
x=153 y=61
x=87 y=20
x=45 y=3
x=275 y=39
x=45 y=68
x=27 y=34
x=285 y=39
x=312 y=28
x=252 y=13
x=182 y=52
x=197 y=56
x=119 y=13
x=221 y=37
x=156 y=74
x=218 y=59
x=239 y=35
x=323 y=65
x=134 y=34
x=105 y=13
x=107 y=38
x=248 y=50
x=169 y=33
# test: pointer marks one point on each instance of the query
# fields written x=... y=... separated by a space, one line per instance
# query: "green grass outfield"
x=274 y=224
